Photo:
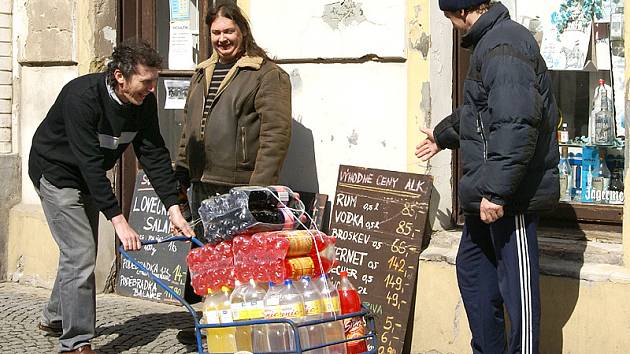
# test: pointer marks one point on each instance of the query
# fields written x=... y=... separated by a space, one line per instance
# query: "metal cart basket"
x=365 y=313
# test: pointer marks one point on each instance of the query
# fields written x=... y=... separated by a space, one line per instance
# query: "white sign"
x=180 y=46
x=176 y=91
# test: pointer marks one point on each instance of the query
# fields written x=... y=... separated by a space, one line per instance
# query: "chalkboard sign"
x=167 y=261
x=378 y=218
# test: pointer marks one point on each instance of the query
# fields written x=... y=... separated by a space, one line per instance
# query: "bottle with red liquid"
x=353 y=327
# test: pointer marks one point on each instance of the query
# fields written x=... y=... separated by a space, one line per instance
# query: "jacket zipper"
x=480 y=131
x=243 y=136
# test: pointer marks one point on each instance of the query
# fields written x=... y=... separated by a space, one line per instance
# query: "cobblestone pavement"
x=123 y=325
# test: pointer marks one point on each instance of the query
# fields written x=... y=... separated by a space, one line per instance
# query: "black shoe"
x=187 y=337
x=50 y=330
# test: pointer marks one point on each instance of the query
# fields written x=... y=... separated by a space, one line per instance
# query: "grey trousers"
x=73 y=220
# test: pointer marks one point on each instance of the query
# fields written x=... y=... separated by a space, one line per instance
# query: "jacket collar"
x=243 y=62
x=497 y=13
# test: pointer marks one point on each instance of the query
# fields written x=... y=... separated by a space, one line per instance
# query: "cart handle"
x=158 y=280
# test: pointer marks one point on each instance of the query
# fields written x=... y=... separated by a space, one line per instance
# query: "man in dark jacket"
x=93 y=120
x=505 y=131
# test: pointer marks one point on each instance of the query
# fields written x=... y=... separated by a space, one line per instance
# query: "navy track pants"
x=497 y=264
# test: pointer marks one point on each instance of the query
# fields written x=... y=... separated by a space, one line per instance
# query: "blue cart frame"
x=365 y=313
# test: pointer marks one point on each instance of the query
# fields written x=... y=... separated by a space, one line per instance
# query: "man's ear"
x=118 y=75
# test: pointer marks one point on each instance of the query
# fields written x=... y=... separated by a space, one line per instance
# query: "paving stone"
x=123 y=325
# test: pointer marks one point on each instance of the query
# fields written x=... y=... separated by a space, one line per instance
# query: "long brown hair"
x=233 y=12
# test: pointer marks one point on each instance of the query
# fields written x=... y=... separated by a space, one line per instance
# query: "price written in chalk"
x=378 y=219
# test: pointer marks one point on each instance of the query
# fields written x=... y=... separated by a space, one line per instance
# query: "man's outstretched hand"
x=427 y=147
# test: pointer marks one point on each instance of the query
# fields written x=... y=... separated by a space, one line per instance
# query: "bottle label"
x=226 y=316
x=239 y=311
x=598 y=183
x=292 y=311
x=563 y=184
x=354 y=327
x=301 y=266
x=313 y=307
x=256 y=310
x=273 y=311
x=563 y=136
x=212 y=317
x=331 y=304
x=300 y=244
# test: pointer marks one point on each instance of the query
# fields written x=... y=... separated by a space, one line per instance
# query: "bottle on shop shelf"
x=616 y=188
x=563 y=134
x=353 y=327
x=565 y=174
x=616 y=21
x=277 y=333
x=313 y=310
x=601 y=180
x=292 y=308
x=602 y=126
x=216 y=310
x=576 y=171
x=240 y=312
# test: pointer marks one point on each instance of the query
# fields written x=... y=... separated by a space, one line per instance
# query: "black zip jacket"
x=506 y=127
x=84 y=134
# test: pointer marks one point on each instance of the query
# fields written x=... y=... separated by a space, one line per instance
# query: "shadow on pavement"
x=143 y=330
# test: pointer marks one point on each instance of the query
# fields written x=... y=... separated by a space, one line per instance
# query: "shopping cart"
x=365 y=313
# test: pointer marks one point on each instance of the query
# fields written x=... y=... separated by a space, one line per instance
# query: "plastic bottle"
x=292 y=308
x=313 y=310
x=254 y=296
x=216 y=309
x=350 y=302
x=297 y=267
x=240 y=312
x=330 y=300
x=565 y=176
x=277 y=334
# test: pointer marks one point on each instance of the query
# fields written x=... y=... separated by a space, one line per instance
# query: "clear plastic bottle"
x=601 y=180
x=216 y=309
x=313 y=310
x=292 y=308
x=254 y=296
x=565 y=174
x=277 y=334
x=333 y=329
x=354 y=327
x=240 y=312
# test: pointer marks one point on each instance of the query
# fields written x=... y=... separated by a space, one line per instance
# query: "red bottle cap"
x=343 y=274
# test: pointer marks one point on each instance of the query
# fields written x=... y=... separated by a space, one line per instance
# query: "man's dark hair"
x=127 y=55
x=233 y=12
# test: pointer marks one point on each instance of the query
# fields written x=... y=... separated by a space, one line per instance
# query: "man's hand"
x=490 y=212
x=178 y=223
x=129 y=238
x=427 y=147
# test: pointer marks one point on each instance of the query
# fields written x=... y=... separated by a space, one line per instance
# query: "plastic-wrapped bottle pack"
x=250 y=209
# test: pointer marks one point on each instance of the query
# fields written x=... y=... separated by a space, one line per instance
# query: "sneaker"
x=51 y=330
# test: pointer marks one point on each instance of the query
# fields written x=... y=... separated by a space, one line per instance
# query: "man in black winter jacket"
x=505 y=131
x=93 y=120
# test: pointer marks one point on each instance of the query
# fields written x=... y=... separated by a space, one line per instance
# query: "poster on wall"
x=566 y=50
x=180 y=43
x=176 y=92
x=329 y=28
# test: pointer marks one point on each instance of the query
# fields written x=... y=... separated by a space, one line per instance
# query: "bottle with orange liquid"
x=353 y=327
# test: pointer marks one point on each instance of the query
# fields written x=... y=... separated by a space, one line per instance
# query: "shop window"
x=584 y=52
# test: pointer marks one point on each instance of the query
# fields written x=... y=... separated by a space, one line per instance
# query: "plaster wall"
x=55 y=41
x=578 y=316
